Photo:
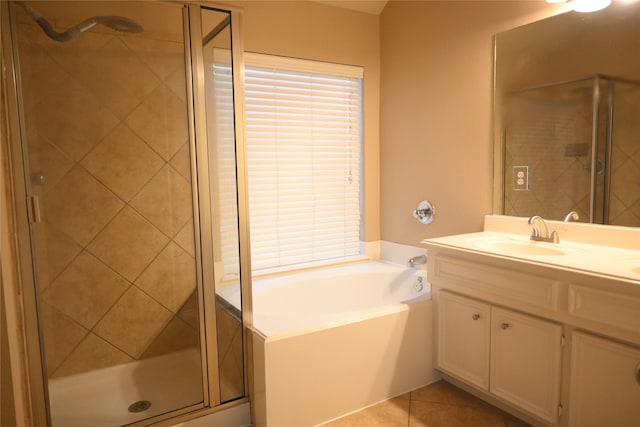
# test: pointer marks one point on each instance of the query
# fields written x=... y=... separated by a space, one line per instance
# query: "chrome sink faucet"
x=571 y=216
x=420 y=259
x=538 y=236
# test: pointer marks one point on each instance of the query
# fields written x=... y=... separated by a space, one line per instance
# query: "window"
x=304 y=137
x=304 y=141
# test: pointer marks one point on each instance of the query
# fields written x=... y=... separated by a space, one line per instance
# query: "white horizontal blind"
x=304 y=139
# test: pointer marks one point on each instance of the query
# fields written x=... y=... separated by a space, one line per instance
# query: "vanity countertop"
x=612 y=252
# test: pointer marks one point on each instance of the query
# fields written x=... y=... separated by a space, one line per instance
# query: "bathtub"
x=330 y=342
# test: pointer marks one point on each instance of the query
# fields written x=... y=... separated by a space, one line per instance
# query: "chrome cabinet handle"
x=475 y=316
x=505 y=325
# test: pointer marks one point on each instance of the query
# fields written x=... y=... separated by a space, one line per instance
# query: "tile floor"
x=437 y=405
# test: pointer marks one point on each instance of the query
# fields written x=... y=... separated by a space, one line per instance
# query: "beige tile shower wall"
x=625 y=158
x=107 y=128
x=230 y=355
x=541 y=135
x=436 y=111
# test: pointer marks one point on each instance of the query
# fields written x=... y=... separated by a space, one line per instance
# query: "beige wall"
x=315 y=31
x=436 y=111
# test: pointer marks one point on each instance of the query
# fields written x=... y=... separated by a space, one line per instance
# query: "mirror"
x=567 y=117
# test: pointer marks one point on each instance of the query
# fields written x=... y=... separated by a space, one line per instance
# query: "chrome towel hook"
x=424 y=212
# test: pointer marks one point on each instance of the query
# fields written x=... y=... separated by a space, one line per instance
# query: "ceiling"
x=368 y=6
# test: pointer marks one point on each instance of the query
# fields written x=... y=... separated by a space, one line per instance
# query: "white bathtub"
x=333 y=341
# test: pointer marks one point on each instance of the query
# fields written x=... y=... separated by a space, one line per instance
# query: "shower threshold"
x=103 y=398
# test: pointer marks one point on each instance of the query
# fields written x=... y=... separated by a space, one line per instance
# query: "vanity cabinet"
x=556 y=335
x=513 y=356
x=605 y=383
x=526 y=360
x=463 y=338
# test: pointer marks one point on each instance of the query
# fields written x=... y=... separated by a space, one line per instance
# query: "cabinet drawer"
x=498 y=284
x=614 y=309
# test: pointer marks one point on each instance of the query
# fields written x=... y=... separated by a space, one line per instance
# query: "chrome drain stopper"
x=139 y=406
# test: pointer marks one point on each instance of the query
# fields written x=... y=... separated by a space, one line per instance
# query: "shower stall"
x=573 y=146
x=127 y=184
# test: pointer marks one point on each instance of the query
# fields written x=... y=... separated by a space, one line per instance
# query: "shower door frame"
x=26 y=347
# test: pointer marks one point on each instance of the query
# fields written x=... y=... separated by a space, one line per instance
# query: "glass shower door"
x=219 y=112
x=114 y=216
x=623 y=206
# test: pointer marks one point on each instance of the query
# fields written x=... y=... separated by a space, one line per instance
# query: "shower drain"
x=139 y=406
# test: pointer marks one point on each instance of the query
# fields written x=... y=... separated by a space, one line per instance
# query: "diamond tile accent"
x=161 y=56
x=73 y=119
x=626 y=182
x=189 y=312
x=176 y=83
x=47 y=160
x=80 y=206
x=123 y=162
x=161 y=106
x=165 y=201
x=176 y=336
x=54 y=252
x=181 y=162
x=85 y=290
x=171 y=277
x=75 y=58
x=128 y=244
x=133 y=322
x=39 y=72
x=185 y=239
x=117 y=77
x=92 y=353
x=231 y=370
x=229 y=354
x=61 y=335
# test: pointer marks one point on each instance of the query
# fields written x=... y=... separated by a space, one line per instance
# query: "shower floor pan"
x=102 y=398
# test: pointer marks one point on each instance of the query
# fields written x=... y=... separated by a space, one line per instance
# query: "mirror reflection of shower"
x=575 y=140
x=118 y=23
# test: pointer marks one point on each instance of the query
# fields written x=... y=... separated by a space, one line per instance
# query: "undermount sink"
x=632 y=264
x=517 y=247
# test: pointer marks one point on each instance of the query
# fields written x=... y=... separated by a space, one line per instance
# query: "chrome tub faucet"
x=419 y=259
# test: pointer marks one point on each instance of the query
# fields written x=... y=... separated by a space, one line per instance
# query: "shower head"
x=118 y=23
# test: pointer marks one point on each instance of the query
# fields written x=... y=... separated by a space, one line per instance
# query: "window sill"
x=307 y=266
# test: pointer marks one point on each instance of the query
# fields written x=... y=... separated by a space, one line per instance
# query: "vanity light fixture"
x=584 y=5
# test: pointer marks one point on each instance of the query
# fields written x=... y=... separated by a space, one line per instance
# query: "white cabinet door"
x=526 y=359
x=463 y=338
x=605 y=383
